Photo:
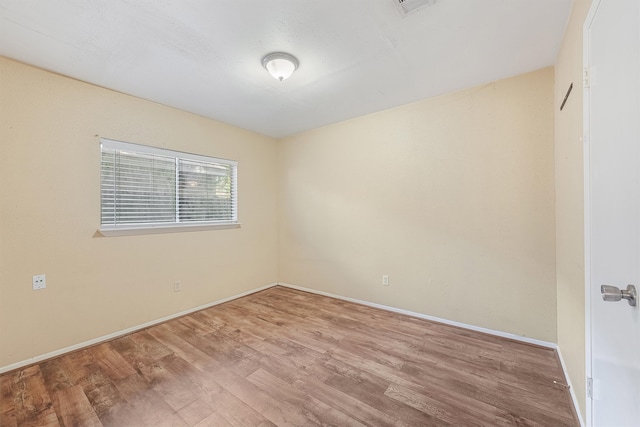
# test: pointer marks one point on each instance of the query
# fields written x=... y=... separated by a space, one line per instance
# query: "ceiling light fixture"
x=280 y=65
x=410 y=6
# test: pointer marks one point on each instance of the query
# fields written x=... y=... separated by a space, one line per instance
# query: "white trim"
x=147 y=149
x=586 y=156
x=120 y=333
x=427 y=317
x=574 y=398
x=164 y=228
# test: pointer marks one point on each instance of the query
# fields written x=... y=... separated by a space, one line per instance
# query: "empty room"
x=314 y=213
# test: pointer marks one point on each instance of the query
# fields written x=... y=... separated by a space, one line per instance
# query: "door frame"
x=586 y=64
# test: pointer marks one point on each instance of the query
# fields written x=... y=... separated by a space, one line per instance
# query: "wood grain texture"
x=283 y=357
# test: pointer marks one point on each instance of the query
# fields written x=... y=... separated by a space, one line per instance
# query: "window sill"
x=162 y=229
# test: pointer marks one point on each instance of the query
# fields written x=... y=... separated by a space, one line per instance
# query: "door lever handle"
x=613 y=293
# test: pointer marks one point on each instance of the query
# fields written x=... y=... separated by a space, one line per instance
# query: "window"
x=147 y=188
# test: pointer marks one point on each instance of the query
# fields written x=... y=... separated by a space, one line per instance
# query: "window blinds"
x=145 y=187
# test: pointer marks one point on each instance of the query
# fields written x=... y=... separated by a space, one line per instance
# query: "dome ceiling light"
x=280 y=65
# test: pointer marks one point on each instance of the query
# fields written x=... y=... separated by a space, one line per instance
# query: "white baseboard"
x=117 y=334
x=427 y=317
x=574 y=398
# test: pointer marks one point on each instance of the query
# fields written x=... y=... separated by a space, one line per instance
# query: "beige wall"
x=570 y=202
x=49 y=212
x=452 y=197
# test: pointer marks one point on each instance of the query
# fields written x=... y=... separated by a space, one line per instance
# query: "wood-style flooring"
x=288 y=358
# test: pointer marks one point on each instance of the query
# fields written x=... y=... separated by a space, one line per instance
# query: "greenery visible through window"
x=144 y=187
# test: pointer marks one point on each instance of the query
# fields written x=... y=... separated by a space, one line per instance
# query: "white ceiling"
x=356 y=56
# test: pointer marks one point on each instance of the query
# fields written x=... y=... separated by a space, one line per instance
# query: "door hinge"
x=590 y=388
x=586 y=77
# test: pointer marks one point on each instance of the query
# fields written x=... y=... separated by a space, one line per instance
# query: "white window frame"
x=168 y=227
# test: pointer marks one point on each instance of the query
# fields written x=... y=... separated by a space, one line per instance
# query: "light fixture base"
x=407 y=7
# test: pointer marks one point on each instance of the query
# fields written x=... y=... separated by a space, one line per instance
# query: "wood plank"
x=169 y=377
x=474 y=409
x=315 y=410
x=214 y=419
x=56 y=374
x=195 y=412
x=180 y=347
x=8 y=396
x=74 y=409
x=230 y=408
x=151 y=346
x=278 y=412
x=102 y=397
x=134 y=354
x=111 y=362
x=148 y=409
x=30 y=398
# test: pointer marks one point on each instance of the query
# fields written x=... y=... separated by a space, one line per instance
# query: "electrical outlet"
x=385 y=280
x=177 y=287
x=39 y=282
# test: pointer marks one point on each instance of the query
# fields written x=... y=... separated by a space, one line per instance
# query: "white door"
x=613 y=207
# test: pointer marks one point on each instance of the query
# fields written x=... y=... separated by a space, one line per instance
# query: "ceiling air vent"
x=409 y=6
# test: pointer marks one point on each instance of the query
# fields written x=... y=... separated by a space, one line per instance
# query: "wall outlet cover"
x=39 y=282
